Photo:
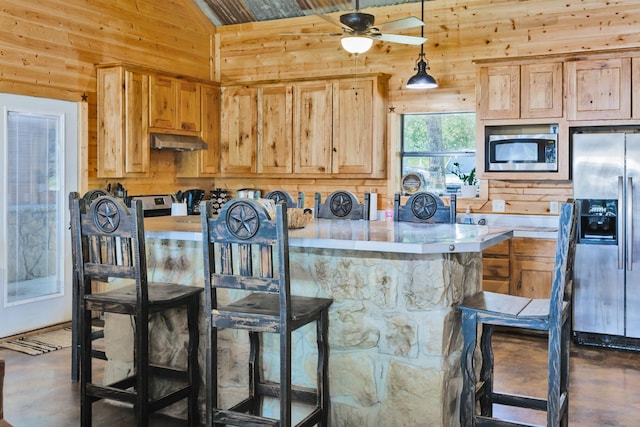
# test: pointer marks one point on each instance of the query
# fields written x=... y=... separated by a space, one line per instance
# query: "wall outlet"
x=498 y=205
x=553 y=207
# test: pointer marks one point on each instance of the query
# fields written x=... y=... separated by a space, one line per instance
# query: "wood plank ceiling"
x=229 y=12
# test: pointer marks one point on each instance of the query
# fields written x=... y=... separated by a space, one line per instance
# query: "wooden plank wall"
x=49 y=48
x=459 y=32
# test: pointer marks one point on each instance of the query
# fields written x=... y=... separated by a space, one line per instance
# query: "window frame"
x=403 y=154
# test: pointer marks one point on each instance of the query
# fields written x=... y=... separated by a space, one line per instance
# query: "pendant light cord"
x=422 y=30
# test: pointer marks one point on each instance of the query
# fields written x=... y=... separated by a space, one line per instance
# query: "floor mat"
x=40 y=343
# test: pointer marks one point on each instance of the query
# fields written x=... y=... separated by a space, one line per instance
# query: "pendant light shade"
x=422 y=79
x=356 y=44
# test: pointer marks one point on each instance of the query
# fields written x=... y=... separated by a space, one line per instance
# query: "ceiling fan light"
x=356 y=44
x=422 y=79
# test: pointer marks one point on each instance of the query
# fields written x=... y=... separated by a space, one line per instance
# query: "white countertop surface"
x=376 y=236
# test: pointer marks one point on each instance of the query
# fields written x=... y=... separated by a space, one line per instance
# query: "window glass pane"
x=32 y=193
x=433 y=143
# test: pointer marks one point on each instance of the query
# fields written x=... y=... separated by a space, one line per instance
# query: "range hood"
x=164 y=141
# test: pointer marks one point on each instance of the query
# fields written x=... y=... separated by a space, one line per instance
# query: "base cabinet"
x=496 y=267
x=532 y=267
x=521 y=266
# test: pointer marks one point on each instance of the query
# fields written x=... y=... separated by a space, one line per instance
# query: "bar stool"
x=341 y=205
x=97 y=334
x=108 y=242
x=551 y=315
x=3 y=422
x=246 y=250
x=425 y=207
x=282 y=196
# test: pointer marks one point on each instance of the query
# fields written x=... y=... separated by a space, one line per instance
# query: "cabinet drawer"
x=545 y=248
x=502 y=248
x=495 y=267
x=499 y=286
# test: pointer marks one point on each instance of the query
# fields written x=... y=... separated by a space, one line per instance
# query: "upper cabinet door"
x=162 y=111
x=312 y=128
x=123 y=138
x=352 y=126
x=188 y=106
x=599 y=89
x=275 y=129
x=239 y=130
x=498 y=92
x=210 y=158
x=137 y=145
x=541 y=91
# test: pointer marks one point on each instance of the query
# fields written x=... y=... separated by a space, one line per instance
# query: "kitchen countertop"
x=379 y=236
x=532 y=226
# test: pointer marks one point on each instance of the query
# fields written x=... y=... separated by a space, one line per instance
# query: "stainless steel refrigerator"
x=606 y=186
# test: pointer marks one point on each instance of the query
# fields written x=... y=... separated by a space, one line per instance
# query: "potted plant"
x=469 y=186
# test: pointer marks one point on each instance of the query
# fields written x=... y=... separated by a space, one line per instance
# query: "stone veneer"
x=394 y=333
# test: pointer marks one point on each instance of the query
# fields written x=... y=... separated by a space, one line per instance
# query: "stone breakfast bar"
x=394 y=332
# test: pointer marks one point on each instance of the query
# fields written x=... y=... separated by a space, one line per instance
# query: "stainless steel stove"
x=155 y=205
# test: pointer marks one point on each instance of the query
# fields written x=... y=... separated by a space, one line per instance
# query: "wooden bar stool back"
x=551 y=315
x=341 y=205
x=108 y=243
x=424 y=207
x=281 y=196
x=96 y=334
x=246 y=250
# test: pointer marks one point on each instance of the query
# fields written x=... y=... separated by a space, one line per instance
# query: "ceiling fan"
x=359 y=30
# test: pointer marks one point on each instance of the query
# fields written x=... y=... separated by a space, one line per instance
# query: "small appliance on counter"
x=154 y=205
x=193 y=198
x=218 y=198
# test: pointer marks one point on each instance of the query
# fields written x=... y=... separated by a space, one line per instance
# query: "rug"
x=40 y=343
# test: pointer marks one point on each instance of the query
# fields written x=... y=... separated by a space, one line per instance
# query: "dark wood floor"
x=604 y=387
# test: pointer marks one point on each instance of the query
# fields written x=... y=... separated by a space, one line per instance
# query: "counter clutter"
x=395 y=339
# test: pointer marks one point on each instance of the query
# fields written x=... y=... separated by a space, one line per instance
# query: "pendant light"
x=422 y=79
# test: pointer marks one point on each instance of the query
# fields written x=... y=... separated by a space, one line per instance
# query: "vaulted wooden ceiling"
x=229 y=12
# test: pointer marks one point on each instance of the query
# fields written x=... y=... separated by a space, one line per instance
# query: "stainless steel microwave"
x=522 y=153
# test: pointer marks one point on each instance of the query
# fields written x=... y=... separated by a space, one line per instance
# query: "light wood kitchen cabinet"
x=527 y=91
x=174 y=104
x=239 y=130
x=496 y=267
x=123 y=135
x=275 y=130
x=541 y=90
x=312 y=133
x=257 y=131
x=339 y=127
x=204 y=163
x=635 y=80
x=531 y=267
x=599 y=89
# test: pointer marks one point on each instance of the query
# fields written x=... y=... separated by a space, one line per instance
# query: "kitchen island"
x=394 y=332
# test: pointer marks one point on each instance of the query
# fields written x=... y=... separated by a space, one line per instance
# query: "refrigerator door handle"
x=621 y=225
x=629 y=225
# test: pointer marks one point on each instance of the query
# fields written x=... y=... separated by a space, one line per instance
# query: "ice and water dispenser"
x=598 y=221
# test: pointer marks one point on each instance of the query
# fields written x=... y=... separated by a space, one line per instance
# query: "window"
x=433 y=143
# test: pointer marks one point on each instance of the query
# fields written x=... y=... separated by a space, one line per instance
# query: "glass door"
x=39 y=157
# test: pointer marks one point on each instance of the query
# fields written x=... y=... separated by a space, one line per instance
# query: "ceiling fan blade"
x=397 y=38
x=400 y=24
